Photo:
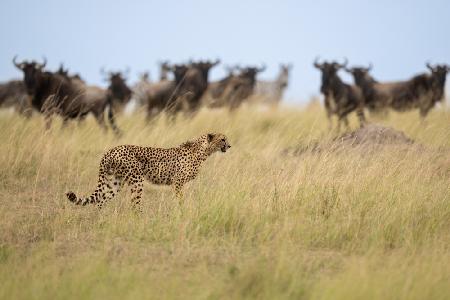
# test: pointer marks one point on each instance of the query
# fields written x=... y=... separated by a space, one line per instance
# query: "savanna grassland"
x=258 y=222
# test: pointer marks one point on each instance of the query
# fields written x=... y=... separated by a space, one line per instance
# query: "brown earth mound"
x=374 y=134
x=371 y=136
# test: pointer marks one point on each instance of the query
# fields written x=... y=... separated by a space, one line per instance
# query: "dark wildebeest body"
x=420 y=92
x=240 y=87
x=182 y=94
x=118 y=90
x=340 y=98
x=53 y=93
x=436 y=82
x=163 y=95
x=14 y=94
x=193 y=85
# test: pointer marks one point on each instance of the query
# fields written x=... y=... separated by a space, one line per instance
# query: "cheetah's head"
x=216 y=142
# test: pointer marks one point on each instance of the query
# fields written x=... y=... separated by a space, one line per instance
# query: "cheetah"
x=131 y=164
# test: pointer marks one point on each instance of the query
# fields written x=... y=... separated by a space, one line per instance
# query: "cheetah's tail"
x=78 y=201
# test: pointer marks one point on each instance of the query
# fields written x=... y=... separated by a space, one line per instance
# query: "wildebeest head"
x=329 y=71
x=204 y=67
x=32 y=72
x=118 y=86
x=62 y=71
x=250 y=73
x=164 y=69
x=438 y=76
x=179 y=71
x=65 y=73
x=231 y=70
x=360 y=74
x=145 y=76
x=283 y=78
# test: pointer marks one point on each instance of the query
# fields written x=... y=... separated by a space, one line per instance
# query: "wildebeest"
x=192 y=85
x=436 y=84
x=184 y=92
x=65 y=72
x=162 y=95
x=271 y=92
x=242 y=86
x=14 y=94
x=140 y=90
x=118 y=89
x=52 y=93
x=421 y=91
x=164 y=70
x=340 y=98
x=214 y=94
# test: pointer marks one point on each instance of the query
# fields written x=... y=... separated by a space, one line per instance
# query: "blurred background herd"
x=107 y=58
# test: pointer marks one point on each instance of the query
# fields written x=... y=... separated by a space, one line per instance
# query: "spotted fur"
x=130 y=164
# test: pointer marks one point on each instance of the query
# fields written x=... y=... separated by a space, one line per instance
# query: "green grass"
x=256 y=223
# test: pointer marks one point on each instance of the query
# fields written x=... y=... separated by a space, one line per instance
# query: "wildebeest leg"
x=47 y=110
x=424 y=111
x=330 y=120
x=342 y=118
x=64 y=123
x=48 y=117
x=25 y=106
x=100 y=118
x=361 y=117
x=150 y=114
x=48 y=121
x=329 y=113
x=338 y=128
x=112 y=121
x=347 y=127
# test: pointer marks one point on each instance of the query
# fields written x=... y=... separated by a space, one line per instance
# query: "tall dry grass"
x=256 y=223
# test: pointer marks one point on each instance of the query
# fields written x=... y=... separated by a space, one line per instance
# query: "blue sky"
x=398 y=37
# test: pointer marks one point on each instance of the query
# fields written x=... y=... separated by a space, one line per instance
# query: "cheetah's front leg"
x=136 y=192
x=178 y=188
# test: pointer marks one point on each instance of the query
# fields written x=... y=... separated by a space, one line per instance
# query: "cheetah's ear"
x=210 y=137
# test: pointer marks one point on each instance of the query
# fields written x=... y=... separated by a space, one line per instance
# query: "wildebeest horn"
x=370 y=67
x=429 y=66
x=106 y=75
x=345 y=62
x=262 y=69
x=316 y=63
x=41 y=66
x=61 y=68
x=18 y=65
